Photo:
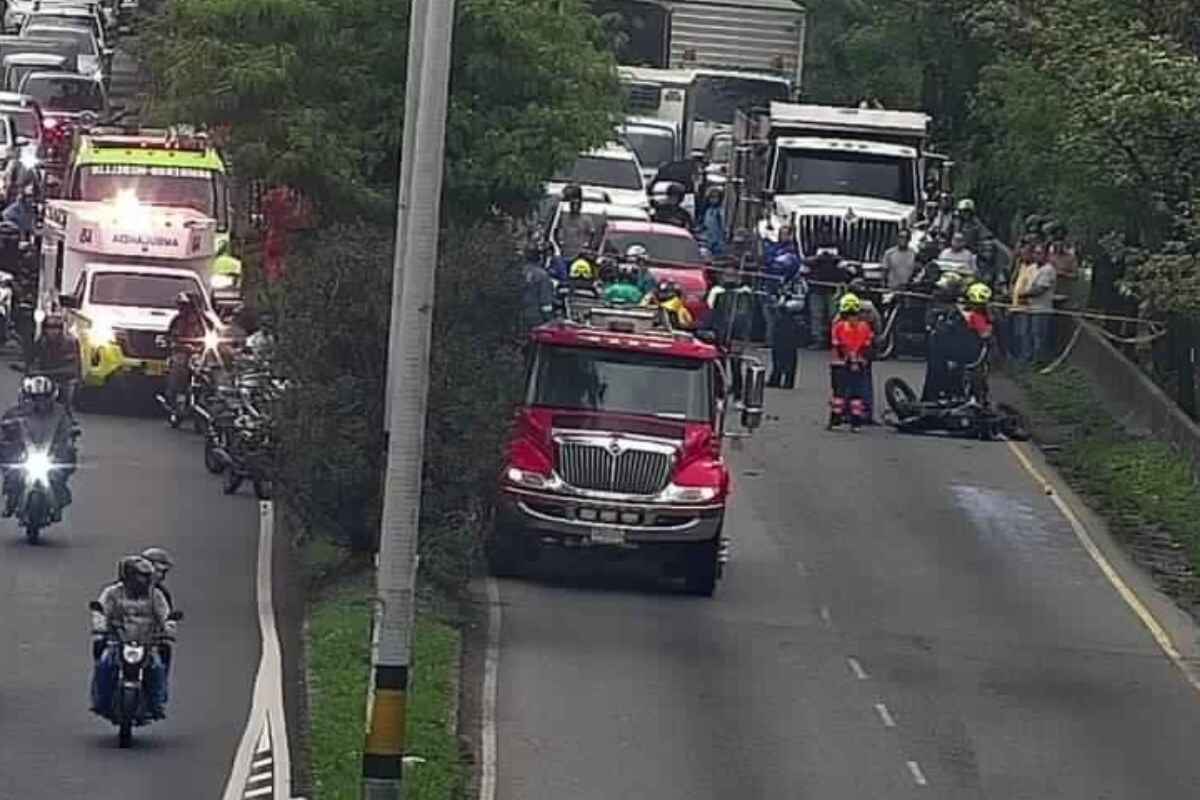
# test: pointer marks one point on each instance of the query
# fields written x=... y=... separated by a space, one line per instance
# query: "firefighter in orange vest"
x=850 y=345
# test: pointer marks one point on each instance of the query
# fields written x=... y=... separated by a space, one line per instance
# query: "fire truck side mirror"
x=753 y=394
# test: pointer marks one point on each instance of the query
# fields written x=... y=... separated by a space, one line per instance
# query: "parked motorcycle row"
x=228 y=400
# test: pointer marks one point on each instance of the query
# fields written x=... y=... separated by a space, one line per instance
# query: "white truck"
x=843 y=178
x=764 y=36
x=114 y=268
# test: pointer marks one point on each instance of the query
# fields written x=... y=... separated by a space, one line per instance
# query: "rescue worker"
x=56 y=355
x=955 y=342
x=871 y=315
x=638 y=256
x=850 y=344
x=138 y=611
x=37 y=421
x=666 y=295
x=185 y=333
x=574 y=232
x=672 y=211
x=785 y=343
x=537 y=293
x=626 y=289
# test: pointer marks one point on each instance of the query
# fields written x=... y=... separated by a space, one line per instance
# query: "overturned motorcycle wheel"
x=900 y=397
x=1012 y=423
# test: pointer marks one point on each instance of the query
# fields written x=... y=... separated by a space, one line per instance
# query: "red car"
x=674 y=255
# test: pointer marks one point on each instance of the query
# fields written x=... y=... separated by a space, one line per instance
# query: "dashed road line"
x=801 y=569
x=826 y=616
x=917 y=775
x=885 y=715
x=857 y=668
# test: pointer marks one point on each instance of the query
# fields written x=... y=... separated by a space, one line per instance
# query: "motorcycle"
x=130 y=702
x=6 y=307
x=250 y=455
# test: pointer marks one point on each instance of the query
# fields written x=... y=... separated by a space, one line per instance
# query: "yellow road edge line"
x=1161 y=637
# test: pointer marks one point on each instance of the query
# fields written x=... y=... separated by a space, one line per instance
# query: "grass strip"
x=1138 y=483
x=339 y=666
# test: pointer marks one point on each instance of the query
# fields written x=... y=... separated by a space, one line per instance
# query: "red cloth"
x=851 y=338
x=979 y=322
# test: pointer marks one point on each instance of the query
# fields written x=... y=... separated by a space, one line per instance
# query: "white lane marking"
x=918 y=777
x=826 y=616
x=857 y=668
x=265 y=721
x=1161 y=637
x=491 y=672
x=801 y=569
x=885 y=715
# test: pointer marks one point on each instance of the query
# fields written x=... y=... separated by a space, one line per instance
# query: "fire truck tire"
x=702 y=568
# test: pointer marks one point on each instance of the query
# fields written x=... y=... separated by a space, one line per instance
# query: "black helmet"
x=53 y=321
x=572 y=192
x=676 y=190
x=663 y=290
x=159 y=557
x=183 y=299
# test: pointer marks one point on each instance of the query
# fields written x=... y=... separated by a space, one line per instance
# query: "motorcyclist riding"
x=672 y=211
x=162 y=562
x=38 y=421
x=21 y=174
x=139 y=610
x=56 y=355
x=22 y=212
x=185 y=333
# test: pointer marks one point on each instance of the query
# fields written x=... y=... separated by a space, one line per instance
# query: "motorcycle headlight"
x=38 y=466
x=133 y=653
x=688 y=494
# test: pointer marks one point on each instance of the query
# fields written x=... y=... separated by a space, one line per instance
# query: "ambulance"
x=163 y=167
x=114 y=269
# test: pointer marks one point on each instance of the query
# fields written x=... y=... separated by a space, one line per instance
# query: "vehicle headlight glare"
x=38 y=465
x=524 y=478
x=689 y=494
x=101 y=333
x=133 y=653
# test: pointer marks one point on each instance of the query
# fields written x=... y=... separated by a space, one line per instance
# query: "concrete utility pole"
x=412 y=95
x=432 y=29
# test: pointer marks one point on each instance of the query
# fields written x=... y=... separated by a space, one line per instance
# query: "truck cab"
x=115 y=269
x=618 y=446
x=164 y=168
x=844 y=179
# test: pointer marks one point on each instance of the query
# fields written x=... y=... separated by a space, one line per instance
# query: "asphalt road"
x=902 y=617
x=139 y=484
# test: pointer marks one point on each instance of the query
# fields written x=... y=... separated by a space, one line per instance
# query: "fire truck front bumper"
x=536 y=518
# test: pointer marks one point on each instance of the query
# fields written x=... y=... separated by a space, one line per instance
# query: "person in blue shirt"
x=23 y=212
x=714 y=223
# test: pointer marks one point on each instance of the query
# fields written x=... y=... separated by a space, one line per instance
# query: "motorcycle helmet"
x=182 y=300
x=662 y=291
x=139 y=571
x=793 y=306
x=676 y=191
x=637 y=253
x=160 y=558
x=979 y=294
x=849 y=304
x=581 y=269
x=38 y=388
x=966 y=204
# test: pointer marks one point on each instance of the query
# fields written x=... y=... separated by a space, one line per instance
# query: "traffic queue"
x=116 y=278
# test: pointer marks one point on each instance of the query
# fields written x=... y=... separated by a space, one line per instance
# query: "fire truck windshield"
x=836 y=172
x=196 y=189
x=621 y=382
x=141 y=289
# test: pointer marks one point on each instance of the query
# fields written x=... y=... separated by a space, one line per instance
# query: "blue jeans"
x=1033 y=334
x=107 y=672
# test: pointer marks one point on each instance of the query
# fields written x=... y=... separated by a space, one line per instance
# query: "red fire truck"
x=618 y=446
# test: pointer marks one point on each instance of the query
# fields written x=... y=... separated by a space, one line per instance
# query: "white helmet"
x=636 y=252
x=37 y=386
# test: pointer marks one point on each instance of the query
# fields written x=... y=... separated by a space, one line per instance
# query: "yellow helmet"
x=581 y=268
x=979 y=294
x=849 y=304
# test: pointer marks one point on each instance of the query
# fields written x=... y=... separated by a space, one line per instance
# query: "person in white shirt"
x=958 y=257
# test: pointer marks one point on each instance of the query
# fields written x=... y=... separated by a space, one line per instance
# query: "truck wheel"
x=702 y=568
x=502 y=556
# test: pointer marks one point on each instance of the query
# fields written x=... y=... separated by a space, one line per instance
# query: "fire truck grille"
x=632 y=470
x=863 y=240
x=140 y=344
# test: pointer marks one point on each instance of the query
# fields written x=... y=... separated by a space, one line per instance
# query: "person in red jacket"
x=850 y=346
